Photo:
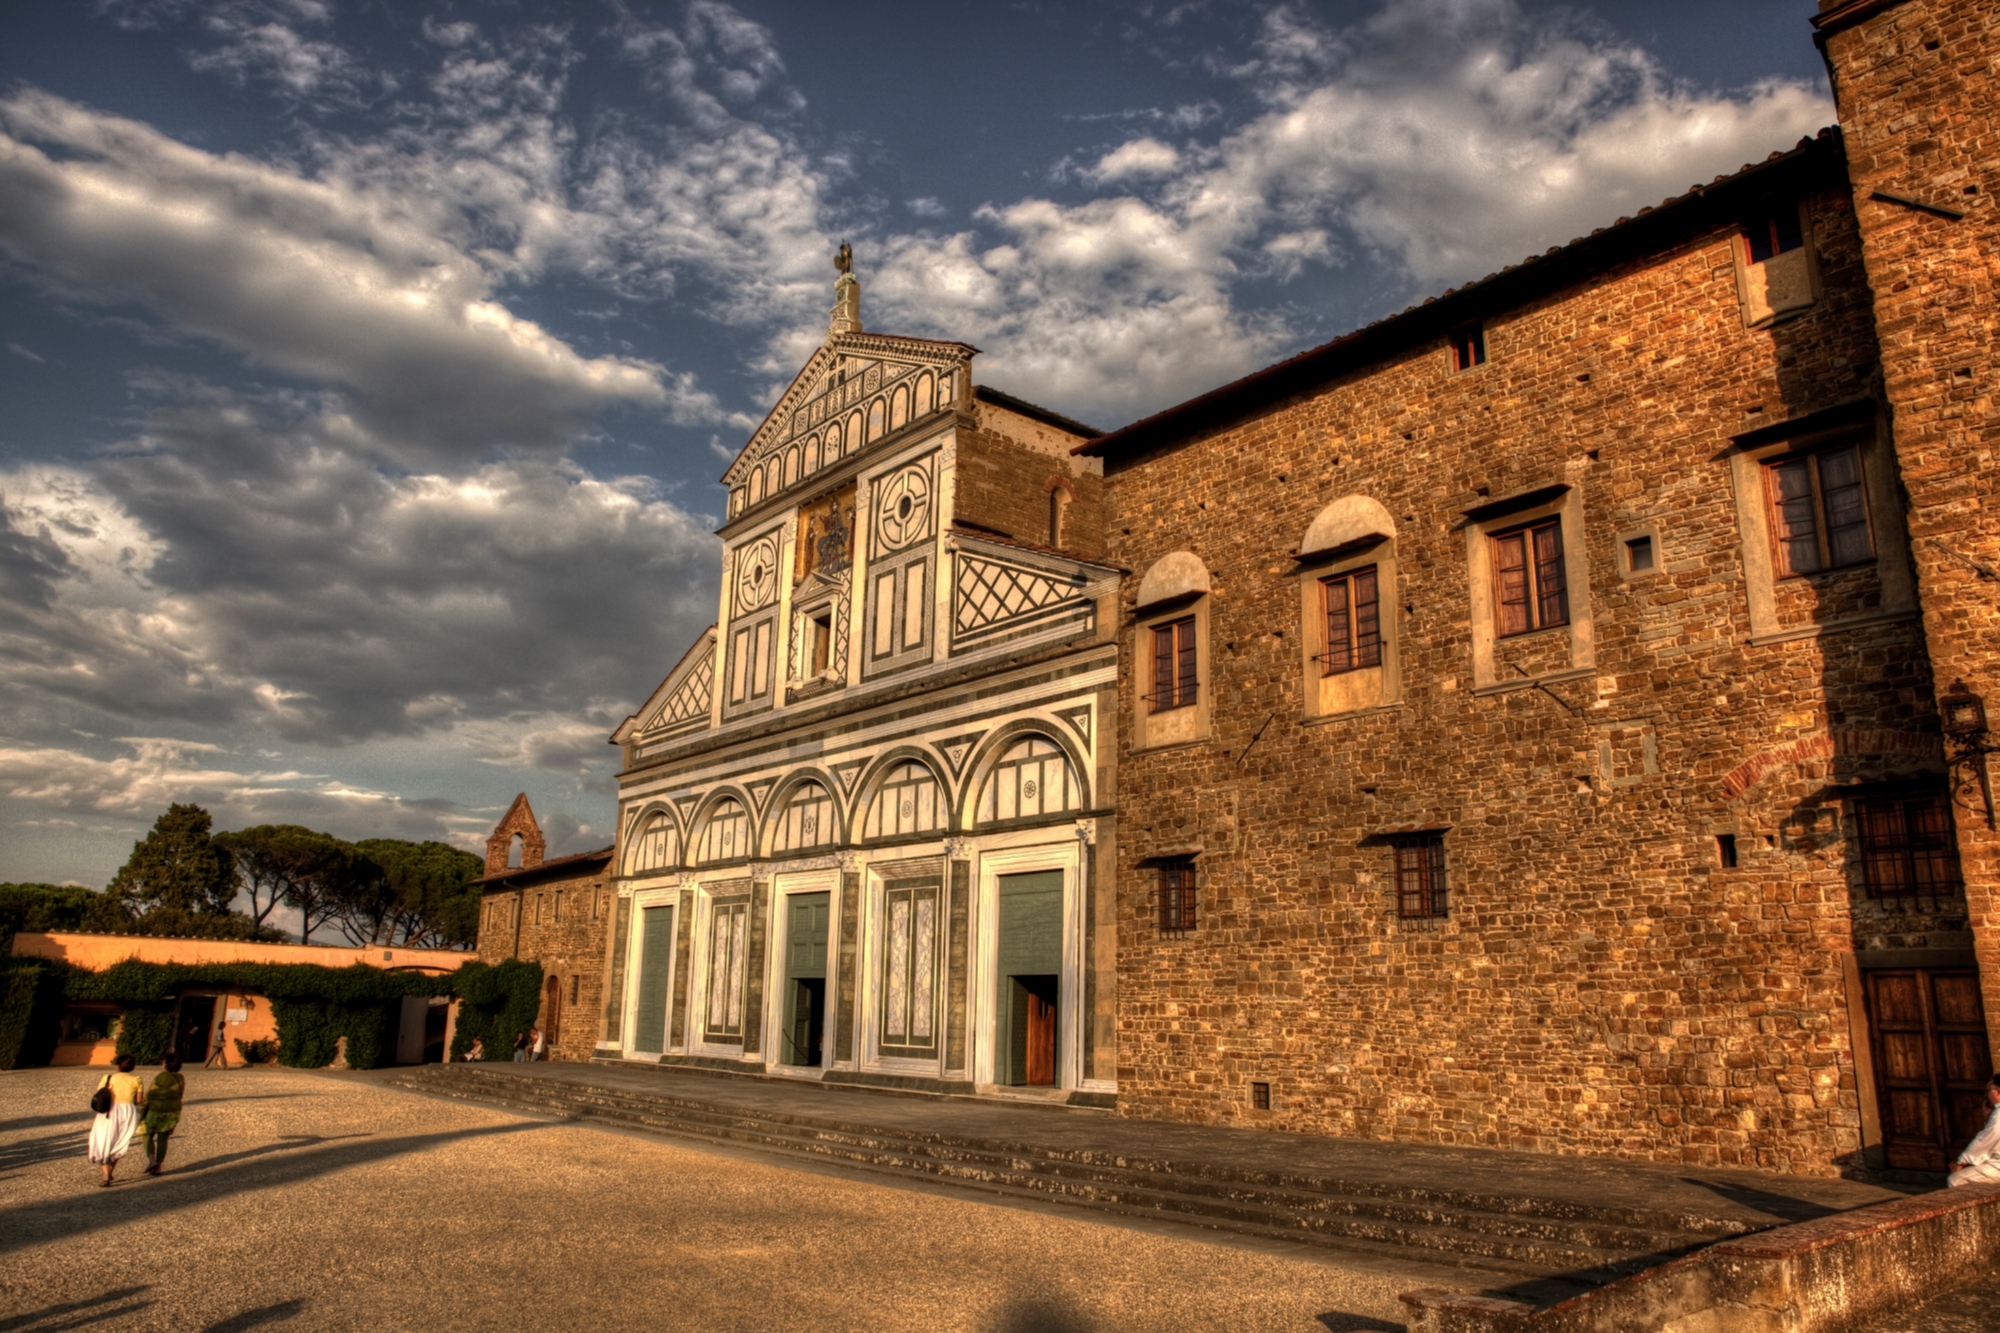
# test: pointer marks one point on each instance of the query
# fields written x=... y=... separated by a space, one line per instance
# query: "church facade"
x=865 y=823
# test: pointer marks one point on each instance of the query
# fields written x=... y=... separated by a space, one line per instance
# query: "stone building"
x=550 y=912
x=1531 y=729
x=864 y=823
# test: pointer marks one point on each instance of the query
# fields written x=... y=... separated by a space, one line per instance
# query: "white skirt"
x=111 y=1133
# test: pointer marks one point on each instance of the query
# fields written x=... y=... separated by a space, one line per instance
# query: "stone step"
x=1566 y=1241
x=1583 y=1246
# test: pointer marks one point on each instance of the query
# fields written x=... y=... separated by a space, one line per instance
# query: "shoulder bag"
x=100 y=1101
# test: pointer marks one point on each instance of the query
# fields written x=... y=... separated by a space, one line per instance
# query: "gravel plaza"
x=301 y=1201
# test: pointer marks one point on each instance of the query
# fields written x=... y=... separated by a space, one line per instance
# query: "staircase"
x=1533 y=1248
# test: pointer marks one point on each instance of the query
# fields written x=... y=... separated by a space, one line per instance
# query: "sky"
x=367 y=368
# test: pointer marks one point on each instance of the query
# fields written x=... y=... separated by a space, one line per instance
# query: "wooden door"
x=1040 y=1055
x=1928 y=1029
x=552 y=1009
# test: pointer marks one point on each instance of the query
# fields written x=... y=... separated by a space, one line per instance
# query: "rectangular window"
x=1638 y=554
x=1773 y=233
x=727 y=928
x=822 y=642
x=1725 y=850
x=575 y=984
x=1531 y=589
x=1468 y=346
x=1819 y=517
x=1353 y=622
x=1260 y=1096
x=538 y=909
x=1908 y=849
x=1420 y=882
x=1177 y=896
x=558 y=906
x=1174 y=684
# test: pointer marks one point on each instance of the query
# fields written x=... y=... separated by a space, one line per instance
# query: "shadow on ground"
x=1337 y=1322
x=56 y=1220
x=77 y=1314
x=257 y=1318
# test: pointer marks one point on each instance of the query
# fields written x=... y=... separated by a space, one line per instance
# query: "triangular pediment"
x=856 y=388
x=682 y=701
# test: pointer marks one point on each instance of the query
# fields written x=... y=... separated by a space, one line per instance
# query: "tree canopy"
x=424 y=896
x=178 y=878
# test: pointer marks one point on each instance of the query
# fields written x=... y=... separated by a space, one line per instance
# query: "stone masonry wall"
x=1918 y=86
x=1002 y=486
x=1601 y=985
x=523 y=923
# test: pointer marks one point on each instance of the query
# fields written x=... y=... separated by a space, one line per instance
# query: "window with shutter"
x=1819 y=514
x=1531 y=586
x=1353 y=622
x=1175 y=666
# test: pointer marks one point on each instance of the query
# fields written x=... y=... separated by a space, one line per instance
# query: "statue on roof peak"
x=846 y=316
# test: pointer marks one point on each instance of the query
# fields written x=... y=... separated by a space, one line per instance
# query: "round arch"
x=1176 y=574
x=1348 y=521
x=779 y=799
x=996 y=745
x=889 y=762
x=639 y=821
x=705 y=811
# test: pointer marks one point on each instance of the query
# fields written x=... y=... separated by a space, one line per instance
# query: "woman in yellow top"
x=111 y=1133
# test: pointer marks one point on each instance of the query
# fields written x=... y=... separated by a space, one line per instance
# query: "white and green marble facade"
x=913 y=727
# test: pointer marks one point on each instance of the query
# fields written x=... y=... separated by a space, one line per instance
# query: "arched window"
x=906 y=801
x=926 y=395
x=1032 y=778
x=756 y=485
x=725 y=836
x=655 y=846
x=899 y=408
x=514 y=845
x=875 y=419
x=804 y=820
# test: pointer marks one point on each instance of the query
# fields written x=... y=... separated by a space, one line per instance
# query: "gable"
x=855 y=389
x=681 y=702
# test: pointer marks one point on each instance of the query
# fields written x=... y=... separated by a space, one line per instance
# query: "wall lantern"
x=1964 y=711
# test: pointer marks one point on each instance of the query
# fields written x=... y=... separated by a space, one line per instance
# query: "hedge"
x=314 y=1006
x=495 y=1002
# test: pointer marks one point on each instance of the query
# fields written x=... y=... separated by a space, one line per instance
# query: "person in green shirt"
x=163 y=1112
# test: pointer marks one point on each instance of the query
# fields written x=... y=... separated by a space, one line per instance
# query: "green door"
x=805 y=978
x=1029 y=972
x=656 y=951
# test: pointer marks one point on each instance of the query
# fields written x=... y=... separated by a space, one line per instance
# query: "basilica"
x=1553 y=717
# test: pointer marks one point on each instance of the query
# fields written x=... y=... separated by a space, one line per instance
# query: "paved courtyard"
x=302 y=1201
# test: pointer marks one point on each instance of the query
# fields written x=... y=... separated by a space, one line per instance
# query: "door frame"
x=1066 y=856
x=778 y=946
x=664 y=895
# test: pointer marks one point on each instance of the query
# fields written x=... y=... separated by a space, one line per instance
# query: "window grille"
x=1908 y=849
x=1531 y=585
x=1819 y=512
x=1174 y=666
x=1353 y=622
x=1260 y=1096
x=1177 y=896
x=1420 y=878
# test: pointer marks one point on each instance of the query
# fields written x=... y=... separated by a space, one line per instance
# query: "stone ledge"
x=1830 y=1275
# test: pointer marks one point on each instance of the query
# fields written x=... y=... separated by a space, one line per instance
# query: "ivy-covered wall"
x=314 y=1006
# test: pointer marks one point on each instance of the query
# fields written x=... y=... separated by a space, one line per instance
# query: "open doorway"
x=1029 y=1004
x=802 y=1041
x=195 y=1028
x=552 y=1011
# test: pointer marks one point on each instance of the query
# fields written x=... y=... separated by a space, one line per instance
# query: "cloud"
x=259 y=41
x=242 y=562
x=330 y=280
x=1137 y=158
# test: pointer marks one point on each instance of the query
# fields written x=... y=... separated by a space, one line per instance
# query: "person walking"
x=218 y=1052
x=163 y=1112
x=520 y=1047
x=1979 y=1164
x=111 y=1132
x=538 y=1044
